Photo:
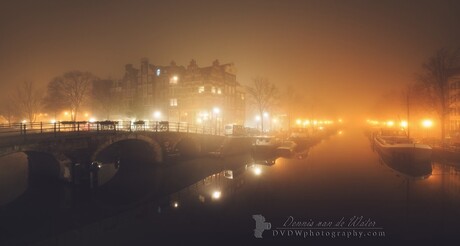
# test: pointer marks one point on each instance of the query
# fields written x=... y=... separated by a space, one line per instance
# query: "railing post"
x=187 y=127
x=178 y=126
x=54 y=128
x=41 y=126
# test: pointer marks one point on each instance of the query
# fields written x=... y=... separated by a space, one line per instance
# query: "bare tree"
x=103 y=99
x=70 y=90
x=8 y=110
x=434 y=83
x=263 y=94
x=28 y=100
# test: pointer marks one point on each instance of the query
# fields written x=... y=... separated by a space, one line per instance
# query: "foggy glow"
x=257 y=171
x=390 y=123
x=404 y=124
x=265 y=114
x=427 y=123
x=298 y=121
x=216 y=195
x=92 y=120
x=176 y=204
x=157 y=115
x=53 y=121
x=216 y=110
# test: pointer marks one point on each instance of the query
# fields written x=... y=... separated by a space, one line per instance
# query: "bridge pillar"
x=66 y=168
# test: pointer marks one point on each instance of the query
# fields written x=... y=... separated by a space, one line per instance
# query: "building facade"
x=210 y=96
x=454 y=103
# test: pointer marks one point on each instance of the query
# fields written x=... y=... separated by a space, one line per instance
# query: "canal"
x=337 y=192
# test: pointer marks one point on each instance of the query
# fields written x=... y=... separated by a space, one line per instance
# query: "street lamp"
x=216 y=112
x=157 y=115
x=427 y=124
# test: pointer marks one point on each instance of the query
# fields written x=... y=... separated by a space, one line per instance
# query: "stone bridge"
x=78 y=146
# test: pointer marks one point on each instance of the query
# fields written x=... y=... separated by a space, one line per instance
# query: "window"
x=174 y=79
x=201 y=89
x=173 y=102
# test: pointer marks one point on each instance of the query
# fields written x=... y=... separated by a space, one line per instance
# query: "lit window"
x=173 y=102
x=158 y=72
x=201 y=89
x=174 y=79
x=213 y=89
x=219 y=91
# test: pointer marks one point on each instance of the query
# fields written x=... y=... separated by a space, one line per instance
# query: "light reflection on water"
x=339 y=177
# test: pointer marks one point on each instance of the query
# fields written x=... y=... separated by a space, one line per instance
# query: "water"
x=335 y=190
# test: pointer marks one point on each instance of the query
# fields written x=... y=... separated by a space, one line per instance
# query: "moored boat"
x=399 y=148
x=266 y=143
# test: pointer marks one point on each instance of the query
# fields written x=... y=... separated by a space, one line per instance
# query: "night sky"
x=340 y=53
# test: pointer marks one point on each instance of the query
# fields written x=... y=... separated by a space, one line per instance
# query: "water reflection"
x=13 y=176
x=223 y=184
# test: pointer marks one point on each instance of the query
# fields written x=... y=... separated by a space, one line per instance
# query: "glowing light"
x=216 y=194
x=340 y=120
x=390 y=123
x=427 y=123
x=257 y=171
x=66 y=113
x=404 y=124
x=92 y=120
x=86 y=114
x=265 y=115
x=157 y=114
x=176 y=204
x=53 y=121
x=216 y=110
x=257 y=118
x=199 y=121
x=298 y=121
x=24 y=121
x=306 y=122
x=340 y=132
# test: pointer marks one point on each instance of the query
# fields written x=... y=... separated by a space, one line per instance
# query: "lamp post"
x=215 y=112
x=427 y=124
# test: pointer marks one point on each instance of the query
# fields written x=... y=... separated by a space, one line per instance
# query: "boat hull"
x=404 y=152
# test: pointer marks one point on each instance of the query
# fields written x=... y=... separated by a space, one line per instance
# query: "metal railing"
x=23 y=129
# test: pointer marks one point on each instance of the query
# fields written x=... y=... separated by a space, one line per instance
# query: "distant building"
x=454 y=102
x=198 y=95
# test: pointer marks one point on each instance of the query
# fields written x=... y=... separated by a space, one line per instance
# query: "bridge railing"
x=82 y=127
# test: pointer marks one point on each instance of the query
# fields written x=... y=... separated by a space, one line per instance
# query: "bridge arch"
x=153 y=145
x=188 y=146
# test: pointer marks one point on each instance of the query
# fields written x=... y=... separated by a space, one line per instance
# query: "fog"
x=341 y=56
